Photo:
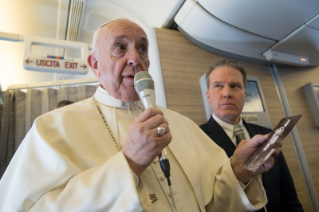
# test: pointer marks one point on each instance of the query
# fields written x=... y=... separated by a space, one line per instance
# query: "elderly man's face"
x=122 y=51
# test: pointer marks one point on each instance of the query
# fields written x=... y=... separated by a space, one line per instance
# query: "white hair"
x=96 y=32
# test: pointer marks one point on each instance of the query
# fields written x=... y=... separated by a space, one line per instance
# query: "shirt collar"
x=228 y=128
x=106 y=99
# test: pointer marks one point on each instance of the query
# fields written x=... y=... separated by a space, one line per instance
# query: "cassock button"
x=162 y=178
x=155 y=161
x=170 y=195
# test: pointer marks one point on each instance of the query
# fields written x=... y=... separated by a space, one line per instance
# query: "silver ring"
x=160 y=131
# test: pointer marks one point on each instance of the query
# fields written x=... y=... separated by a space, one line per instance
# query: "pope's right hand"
x=143 y=142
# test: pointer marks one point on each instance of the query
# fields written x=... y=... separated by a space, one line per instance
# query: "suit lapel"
x=218 y=135
x=251 y=130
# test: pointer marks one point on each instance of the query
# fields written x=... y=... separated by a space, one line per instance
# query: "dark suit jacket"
x=278 y=183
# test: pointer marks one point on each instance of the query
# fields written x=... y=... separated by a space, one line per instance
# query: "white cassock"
x=69 y=162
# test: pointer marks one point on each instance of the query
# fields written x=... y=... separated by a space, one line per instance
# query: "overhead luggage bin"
x=200 y=25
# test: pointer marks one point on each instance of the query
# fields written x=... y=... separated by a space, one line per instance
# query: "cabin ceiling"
x=277 y=31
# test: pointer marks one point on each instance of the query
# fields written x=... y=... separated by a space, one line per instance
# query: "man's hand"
x=143 y=143
x=242 y=153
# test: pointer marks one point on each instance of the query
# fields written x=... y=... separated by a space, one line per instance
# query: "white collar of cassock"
x=106 y=99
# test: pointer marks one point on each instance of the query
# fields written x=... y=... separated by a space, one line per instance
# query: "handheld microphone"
x=144 y=86
x=239 y=132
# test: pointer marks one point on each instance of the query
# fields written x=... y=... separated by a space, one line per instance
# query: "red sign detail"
x=84 y=66
x=28 y=61
x=71 y=65
x=48 y=63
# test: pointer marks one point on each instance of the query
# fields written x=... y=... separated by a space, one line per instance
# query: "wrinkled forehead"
x=225 y=72
x=122 y=28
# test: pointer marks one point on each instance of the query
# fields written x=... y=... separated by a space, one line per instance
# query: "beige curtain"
x=20 y=109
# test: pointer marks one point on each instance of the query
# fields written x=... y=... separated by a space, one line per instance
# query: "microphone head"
x=142 y=81
x=238 y=129
x=144 y=86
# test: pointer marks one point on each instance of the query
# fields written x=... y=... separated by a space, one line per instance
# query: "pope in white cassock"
x=101 y=154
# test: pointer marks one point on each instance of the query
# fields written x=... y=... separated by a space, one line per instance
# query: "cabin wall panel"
x=293 y=79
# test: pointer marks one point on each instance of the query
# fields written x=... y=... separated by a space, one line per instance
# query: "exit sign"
x=32 y=61
x=55 y=65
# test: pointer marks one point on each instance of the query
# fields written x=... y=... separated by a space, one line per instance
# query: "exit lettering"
x=71 y=65
x=48 y=63
x=55 y=64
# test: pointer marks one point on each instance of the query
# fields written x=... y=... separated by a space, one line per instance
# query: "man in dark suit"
x=226 y=83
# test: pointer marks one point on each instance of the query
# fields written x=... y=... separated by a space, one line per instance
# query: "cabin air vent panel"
x=75 y=19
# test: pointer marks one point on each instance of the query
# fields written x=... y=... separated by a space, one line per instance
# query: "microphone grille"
x=142 y=81
x=238 y=129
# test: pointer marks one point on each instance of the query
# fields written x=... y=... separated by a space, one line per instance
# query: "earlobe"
x=93 y=63
x=207 y=96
